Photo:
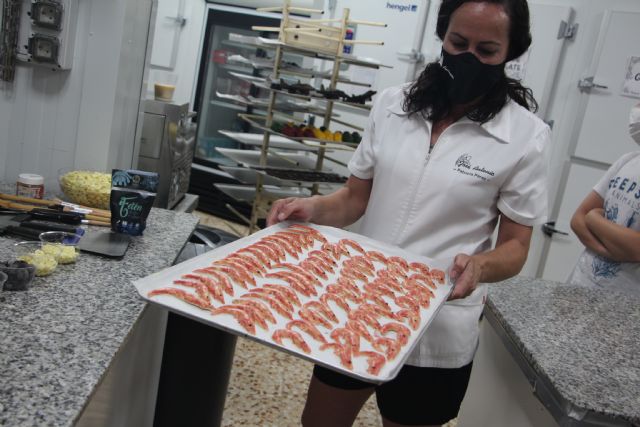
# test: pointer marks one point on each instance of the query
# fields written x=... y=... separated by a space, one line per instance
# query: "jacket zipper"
x=413 y=199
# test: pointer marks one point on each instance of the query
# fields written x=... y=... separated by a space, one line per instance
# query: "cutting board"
x=110 y=244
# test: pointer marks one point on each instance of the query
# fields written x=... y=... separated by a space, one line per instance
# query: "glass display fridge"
x=228 y=62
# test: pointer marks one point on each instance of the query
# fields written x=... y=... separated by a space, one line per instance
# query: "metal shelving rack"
x=319 y=39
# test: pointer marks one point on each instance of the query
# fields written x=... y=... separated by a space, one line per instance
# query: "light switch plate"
x=44 y=48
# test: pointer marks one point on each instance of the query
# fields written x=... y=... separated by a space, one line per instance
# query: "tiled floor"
x=268 y=387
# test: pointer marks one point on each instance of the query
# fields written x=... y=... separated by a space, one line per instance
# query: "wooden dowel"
x=271 y=29
x=301 y=30
x=270 y=9
x=30 y=200
x=380 y=43
x=371 y=23
x=304 y=9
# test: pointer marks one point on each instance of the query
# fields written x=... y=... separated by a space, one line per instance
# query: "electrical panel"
x=47 y=33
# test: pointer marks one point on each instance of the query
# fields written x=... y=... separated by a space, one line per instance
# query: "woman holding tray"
x=442 y=160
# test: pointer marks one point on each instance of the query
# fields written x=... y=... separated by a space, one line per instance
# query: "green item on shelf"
x=347 y=137
x=355 y=136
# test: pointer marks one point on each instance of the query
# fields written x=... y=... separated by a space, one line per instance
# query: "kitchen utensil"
x=57 y=204
x=109 y=244
x=56 y=215
x=22 y=225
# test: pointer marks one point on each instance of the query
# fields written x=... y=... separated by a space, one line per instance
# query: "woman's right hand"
x=292 y=208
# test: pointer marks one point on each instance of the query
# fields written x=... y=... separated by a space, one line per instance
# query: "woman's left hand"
x=465 y=274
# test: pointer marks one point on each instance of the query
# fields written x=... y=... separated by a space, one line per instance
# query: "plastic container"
x=30 y=185
x=165 y=86
x=60 y=245
x=32 y=253
x=87 y=188
x=19 y=275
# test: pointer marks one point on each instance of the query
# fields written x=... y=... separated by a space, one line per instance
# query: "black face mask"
x=470 y=77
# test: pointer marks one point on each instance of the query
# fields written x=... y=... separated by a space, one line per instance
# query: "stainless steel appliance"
x=167 y=146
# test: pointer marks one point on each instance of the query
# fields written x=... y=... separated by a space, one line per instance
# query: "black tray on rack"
x=302 y=175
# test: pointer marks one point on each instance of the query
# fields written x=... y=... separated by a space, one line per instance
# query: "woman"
x=607 y=222
x=441 y=161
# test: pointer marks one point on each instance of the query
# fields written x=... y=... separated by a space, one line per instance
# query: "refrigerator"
x=224 y=56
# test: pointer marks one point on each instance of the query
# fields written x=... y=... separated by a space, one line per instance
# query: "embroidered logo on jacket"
x=465 y=167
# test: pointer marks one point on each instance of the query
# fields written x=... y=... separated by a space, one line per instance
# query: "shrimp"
x=273 y=303
x=340 y=302
x=313 y=267
x=376 y=256
x=359 y=327
x=221 y=278
x=419 y=267
x=349 y=284
x=389 y=346
x=321 y=262
x=325 y=256
x=259 y=306
x=257 y=251
x=277 y=295
x=183 y=295
x=214 y=288
x=380 y=288
x=248 y=262
x=313 y=318
x=376 y=310
x=366 y=317
x=376 y=298
x=301 y=271
x=400 y=262
x=241 y=316
x=426 y=279
x=274 y=252
x=303 y=287
x=412 y=315
x=322 y=308
x=231 y=272
x=345 y=293
x=307 y=327
x=200 y=288
x=401 y=331
x=253 y=312
x=351 y=272
x=283 y=242
x=280 y=334
x=341 y=351
x=317 y=235
x=438 y=275
x=331 y=249
x=375 y=361
x=407 y=301
x=353 y=244
x=347 y=337
x=236 y=270
x=286 y=292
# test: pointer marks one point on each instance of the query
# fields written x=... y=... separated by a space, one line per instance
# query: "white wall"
x=85 y=117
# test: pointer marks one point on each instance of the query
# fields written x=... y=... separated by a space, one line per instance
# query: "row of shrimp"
x=300 y=292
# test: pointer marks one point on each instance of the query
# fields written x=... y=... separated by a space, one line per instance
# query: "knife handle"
x=50 y=227
x=27 y=233
x=64 y=217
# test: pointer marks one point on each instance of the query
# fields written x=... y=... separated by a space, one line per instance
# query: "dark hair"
x=428 y=94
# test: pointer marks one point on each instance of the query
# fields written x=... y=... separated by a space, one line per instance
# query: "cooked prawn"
x=296 y=339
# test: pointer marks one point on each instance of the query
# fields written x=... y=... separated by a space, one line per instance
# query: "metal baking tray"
x=325 y=358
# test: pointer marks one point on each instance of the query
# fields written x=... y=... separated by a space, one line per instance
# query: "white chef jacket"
x=620 y=191
x=447 y=202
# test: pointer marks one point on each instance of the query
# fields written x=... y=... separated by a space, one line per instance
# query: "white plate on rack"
x=325 y=358
x=247 y=193
x=275 y=141
x=280 y=160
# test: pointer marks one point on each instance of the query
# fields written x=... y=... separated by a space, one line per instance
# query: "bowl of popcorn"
x=87 y=188
x=32 y=253
x=61 y=246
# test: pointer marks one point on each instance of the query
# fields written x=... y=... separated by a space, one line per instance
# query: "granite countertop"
x=582 y=343
x=59 y=337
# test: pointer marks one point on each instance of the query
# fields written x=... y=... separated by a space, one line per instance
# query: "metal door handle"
x=586 y=84
x=549 y=229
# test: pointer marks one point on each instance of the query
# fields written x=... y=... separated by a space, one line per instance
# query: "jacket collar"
x=499 y=127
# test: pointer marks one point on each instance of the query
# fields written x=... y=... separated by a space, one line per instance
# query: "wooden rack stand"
x=316 y=38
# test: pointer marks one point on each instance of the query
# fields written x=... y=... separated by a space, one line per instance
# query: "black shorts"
x=417 y=396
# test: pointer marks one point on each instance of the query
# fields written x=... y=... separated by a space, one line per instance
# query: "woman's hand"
x=292 y=208
x=465 y=273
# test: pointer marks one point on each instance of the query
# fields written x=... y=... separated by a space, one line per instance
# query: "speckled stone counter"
x=58 y=338
x=579 y=346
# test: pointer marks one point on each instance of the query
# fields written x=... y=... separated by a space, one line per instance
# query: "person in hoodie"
x=442 y=161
